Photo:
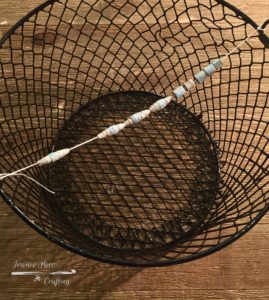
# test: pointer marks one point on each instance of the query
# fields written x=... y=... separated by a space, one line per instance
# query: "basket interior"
x=74 y=67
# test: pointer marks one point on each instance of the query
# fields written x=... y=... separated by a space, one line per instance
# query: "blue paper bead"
x=201 y=76
x=217 y=63
x=179 y=91
x=138 y=117
x=114 y=129
x=210 y=69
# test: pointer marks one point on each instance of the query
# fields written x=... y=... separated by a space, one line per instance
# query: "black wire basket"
x=182 y=184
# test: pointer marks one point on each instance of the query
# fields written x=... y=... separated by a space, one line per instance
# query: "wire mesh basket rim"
x=6 y=35
x=76 y=250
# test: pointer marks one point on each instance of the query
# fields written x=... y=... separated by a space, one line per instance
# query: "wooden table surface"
x=240 y=271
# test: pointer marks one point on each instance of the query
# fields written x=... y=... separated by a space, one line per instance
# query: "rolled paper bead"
x=210 y=69
x=179 y=91
x=189 y=84
x=112 y=130
x=52 y=157
x=138 y=117
x=201 y=76
x=217 y=63
x=160 y=104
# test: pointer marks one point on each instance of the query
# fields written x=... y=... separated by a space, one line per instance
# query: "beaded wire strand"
x=159 y=105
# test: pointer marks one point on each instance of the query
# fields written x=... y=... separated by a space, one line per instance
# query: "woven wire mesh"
x=182 y=184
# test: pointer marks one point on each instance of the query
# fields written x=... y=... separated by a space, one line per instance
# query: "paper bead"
x=112 y=130
x=160 y=104
x=179 y=91
x=201 y=76
x=52 y=157
x=210 y=69
x=218 y=63
x=189 y=84
x=137 y=117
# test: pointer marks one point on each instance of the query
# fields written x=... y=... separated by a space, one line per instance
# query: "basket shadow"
x=103 y=278
x=27 y=246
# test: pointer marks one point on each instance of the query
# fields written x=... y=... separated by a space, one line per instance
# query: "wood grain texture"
x=240 y=271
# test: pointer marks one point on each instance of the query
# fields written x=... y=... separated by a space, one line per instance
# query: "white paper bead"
x=137 y=117
x=189 y=84
x=179 y=91
x=52 y=157
x=160 y=104
x=112 y=130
